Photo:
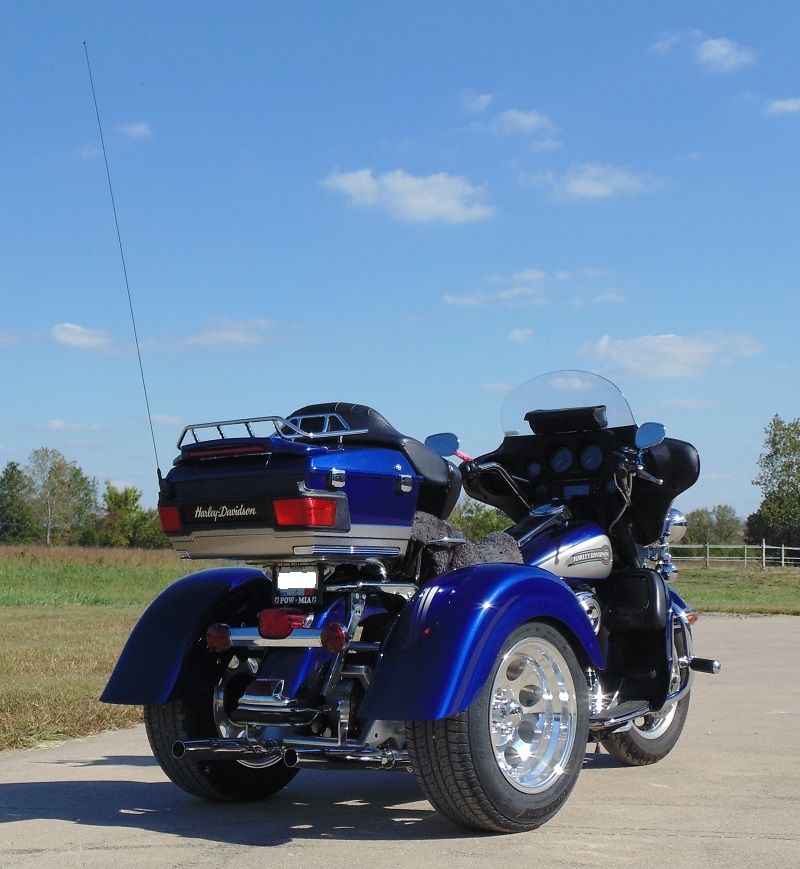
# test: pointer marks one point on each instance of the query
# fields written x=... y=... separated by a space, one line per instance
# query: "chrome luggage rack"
x=328 y=425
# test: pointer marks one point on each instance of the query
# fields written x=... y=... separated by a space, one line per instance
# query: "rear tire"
x=204 y=716
x=510 y=760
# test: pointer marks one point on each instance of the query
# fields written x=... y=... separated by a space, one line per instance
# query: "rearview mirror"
x=444 y=443
x=649 y=434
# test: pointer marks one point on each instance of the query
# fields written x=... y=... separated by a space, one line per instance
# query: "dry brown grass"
x=54 y=663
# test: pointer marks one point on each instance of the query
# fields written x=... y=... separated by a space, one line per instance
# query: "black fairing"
x=675 y=462
x=441 y=482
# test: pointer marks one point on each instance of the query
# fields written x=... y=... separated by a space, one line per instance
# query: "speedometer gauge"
x=591 y=457
x=561 y=460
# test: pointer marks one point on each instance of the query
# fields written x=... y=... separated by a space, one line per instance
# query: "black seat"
x=441 y=481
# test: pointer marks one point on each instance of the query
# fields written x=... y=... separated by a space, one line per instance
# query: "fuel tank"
x=579 y=552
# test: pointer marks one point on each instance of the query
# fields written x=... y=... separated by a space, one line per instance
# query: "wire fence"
x=756 y=554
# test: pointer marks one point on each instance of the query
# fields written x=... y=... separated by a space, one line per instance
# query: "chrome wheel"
x=533 y=715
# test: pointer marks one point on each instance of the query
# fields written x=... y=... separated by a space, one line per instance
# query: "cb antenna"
x=124 y=268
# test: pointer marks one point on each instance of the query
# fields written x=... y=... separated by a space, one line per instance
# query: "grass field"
x=65 y=614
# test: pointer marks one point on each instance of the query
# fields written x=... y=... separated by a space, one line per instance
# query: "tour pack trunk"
x=278 y=497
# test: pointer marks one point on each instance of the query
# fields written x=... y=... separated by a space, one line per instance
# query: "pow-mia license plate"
x=292 y=586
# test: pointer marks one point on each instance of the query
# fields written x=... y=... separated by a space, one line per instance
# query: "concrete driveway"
x=728 y=795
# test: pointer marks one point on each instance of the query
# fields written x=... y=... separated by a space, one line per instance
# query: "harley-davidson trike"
x=363 y=631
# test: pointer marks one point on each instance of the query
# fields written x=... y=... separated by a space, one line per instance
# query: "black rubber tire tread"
x=632 y=749
x=217 y=780
x=443 y=759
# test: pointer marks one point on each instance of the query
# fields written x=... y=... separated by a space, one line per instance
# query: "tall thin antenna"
x=122 y=258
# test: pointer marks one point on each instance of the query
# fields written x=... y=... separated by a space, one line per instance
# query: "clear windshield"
x=561 y=390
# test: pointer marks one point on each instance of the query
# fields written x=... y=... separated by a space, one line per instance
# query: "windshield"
x=560 y=390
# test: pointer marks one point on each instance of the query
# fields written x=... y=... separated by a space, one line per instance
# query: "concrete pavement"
x=728 y=795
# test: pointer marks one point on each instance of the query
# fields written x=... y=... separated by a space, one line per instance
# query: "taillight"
x=218 y=637
x=277 y=624
x=170 y=519
x=305 y=512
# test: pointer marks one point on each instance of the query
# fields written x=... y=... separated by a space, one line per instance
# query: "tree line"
x=51 y=500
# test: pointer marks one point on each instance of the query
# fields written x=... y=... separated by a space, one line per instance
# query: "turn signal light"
x=306 y=512
x=218 y=637
x=332 y=637
x=170 y=518
x=277 y=624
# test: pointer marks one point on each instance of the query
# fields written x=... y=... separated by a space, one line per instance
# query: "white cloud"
x=8 y=340
x=137 y=130
x=70 y=335
x=167 y=420
x=783 y=107
x=224 y=331
x=670 y=355
x=63 y=425
x=517 y=121
x=413 y=199
x=520 y=336
x=723 y=55
x=720 y=54
x=476 y=103
x=594 y=181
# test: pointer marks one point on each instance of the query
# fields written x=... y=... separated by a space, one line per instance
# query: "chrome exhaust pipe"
x=343 y=758
x=222 y=749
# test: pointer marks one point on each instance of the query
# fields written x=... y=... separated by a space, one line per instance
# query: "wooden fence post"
x=763 y=554
x=708 y=554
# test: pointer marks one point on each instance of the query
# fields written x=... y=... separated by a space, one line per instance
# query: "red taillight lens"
x=332 y=637
x=307 y=512
x=218 y=637
x=170 y=518
x=277 y=624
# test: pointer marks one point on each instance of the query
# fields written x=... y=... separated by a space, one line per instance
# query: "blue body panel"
x=150 y=663
x=442 y=648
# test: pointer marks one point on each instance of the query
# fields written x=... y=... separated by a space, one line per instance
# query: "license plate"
x=292 y=586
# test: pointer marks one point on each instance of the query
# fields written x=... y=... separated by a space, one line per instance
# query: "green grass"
x=65 y=614
x=740 y=589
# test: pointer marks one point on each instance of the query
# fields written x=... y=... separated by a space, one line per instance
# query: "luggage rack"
x=326 y=425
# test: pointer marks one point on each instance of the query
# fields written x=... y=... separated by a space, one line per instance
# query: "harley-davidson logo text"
x=224 y=512
x=603 y=554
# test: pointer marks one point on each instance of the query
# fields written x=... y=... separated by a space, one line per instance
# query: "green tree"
x=477 y=520
x=17 y=519
x=126 y=523
x=777 y=519
x=63 y=498
x=720 y=524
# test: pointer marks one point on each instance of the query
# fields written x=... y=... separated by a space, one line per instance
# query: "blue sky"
x=413 y=205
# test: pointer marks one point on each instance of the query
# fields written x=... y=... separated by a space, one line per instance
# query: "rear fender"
x=173 y=628
x=440 y=652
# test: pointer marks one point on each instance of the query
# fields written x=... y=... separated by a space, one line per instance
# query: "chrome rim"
x=533 y=715
x=655 y=726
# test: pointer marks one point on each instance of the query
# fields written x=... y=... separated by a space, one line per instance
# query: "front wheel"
x=649 y=738
x=510 y=760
